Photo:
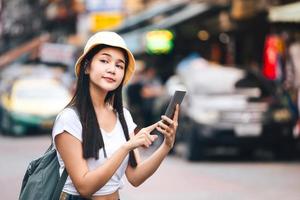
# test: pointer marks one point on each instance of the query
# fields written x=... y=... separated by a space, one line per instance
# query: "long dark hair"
x=92 y=140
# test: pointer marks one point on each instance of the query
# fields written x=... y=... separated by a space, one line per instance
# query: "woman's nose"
x=111 y=68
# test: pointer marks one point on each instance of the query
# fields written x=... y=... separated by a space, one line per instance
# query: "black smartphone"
x=176 y=99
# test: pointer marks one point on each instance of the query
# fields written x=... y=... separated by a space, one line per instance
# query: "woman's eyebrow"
x=120 y=60
x=106 y=54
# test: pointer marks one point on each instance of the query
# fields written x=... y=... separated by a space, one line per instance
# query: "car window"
x=254 y=80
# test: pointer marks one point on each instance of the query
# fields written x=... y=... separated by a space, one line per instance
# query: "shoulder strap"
x=60 y=185
x=61 y=182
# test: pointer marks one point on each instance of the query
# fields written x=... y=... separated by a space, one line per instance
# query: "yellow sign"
x=105 y=20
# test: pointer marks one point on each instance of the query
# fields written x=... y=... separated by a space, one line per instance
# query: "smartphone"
x=176 y=99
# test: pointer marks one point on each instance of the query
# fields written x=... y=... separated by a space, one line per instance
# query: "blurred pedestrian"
x=152 y=88
x=293 y=80
x=94 y=134
x=134 y=95
x=143 y=93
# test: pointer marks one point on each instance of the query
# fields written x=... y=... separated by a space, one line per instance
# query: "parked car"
x=32 y=103
x=231 y=107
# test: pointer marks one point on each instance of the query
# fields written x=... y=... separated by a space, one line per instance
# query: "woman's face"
x=107 y=68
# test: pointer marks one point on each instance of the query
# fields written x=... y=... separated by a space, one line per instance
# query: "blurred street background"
x=238 y=60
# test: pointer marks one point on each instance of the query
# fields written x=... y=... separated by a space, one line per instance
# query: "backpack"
x=42 y=180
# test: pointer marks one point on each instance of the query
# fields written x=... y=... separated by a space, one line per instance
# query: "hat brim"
x=130 y=68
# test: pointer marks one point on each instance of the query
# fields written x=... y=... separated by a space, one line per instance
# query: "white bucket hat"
x=111 y=39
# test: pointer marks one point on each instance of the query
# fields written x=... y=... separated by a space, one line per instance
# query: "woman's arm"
x=136 y=176
x=86 y=182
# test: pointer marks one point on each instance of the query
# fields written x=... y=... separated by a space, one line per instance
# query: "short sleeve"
x=130 y=123
x=68 y=121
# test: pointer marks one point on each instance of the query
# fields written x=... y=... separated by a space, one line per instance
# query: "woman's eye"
x=103 y=61
x=120 y=66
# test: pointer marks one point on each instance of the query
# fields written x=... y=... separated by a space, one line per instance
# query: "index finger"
x=151 y=127
x=176 y=114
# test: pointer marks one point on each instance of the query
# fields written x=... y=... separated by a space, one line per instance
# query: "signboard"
x=57 y=53
x=285 y=13
x=104 y=5
x=105 y=20
x=159 y=41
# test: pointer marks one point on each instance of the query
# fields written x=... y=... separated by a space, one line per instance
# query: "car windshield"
x=41 y=93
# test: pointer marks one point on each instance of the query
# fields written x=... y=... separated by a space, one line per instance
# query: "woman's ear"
x=86 y=67
x=87 y=70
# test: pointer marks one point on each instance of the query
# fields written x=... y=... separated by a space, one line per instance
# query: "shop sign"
x=104 y=5
x=57 y=53
x=273 y=57
x=105 y=20
x=285 y=13
x=159 y=41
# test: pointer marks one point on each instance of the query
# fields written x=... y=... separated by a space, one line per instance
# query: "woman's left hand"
x=168 y=128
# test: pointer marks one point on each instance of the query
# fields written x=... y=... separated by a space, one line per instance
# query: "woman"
x=94 y=134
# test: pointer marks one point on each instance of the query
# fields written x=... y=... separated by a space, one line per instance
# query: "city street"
x=235 y=64
x=176 y=179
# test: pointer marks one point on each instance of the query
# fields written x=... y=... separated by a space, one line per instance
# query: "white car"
x=229 y=107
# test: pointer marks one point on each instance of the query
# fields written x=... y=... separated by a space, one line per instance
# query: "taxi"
x=31 y=104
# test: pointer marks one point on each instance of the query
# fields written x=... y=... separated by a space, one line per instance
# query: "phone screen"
x=176 y=99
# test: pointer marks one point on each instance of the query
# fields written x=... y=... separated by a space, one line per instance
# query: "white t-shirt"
x=68 y=120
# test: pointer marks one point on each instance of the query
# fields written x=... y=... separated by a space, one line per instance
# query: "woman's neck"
x=98 y=98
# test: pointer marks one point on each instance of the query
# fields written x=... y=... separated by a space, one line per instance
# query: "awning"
x=135 y=39
x=285 y=13
x=145 y=17
x=188 y=12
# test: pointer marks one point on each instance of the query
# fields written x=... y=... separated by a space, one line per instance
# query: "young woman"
x=94 y=134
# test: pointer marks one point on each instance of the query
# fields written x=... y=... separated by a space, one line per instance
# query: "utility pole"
x=1 y=26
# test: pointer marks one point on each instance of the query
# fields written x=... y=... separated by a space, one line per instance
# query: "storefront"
x=165 y=35
x=285 y=27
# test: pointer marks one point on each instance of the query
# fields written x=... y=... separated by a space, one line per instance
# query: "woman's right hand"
x=142 y=138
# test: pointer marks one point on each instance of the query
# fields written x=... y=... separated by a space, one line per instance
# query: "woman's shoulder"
x=130 y=123
x=68 y=113
x=67 y=120
x=126 y=111
x=127 y=115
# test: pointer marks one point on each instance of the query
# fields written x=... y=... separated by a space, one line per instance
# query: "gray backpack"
x=42 y=180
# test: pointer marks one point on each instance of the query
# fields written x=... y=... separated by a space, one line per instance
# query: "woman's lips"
x=108 y=79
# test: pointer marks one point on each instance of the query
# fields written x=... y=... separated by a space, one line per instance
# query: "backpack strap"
x=60 y=185
x=61 y=182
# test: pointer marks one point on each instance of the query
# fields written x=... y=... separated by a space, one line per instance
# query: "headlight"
x=281 y=115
